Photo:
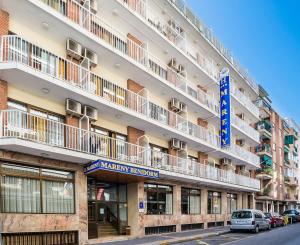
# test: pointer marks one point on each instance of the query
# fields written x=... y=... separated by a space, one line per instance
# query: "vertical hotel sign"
x=225 y=108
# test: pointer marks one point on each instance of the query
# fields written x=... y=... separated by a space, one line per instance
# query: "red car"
x=275 y=219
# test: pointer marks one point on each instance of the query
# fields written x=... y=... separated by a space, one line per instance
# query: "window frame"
x=40 y=177
x=211 y=211
x=190 y=194
x=231 y=196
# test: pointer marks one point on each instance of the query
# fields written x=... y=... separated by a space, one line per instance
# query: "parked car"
x=275 y=219
x=293 y=214
x=249 y=219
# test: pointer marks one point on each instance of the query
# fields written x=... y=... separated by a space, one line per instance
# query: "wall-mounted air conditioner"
x=73 y=107
x=73 y=49
x=240 y=142
x=183 y=145
x=175 y=144
x=183 y=107
x=91 y=56
x=225 y=161
x=173 y=64
x=90 y=112
x=174 y=105
x=94 y=6
x=241 y=116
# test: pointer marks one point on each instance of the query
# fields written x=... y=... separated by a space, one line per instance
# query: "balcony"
x=245 y=101
x=247 y=130
x=291 y=181
x=264 y=149
x=264 y=173
x=265 y=129
x=47 y=68
x=208 y=35
x=27 y=133
x=118 y=44
x=265 y=108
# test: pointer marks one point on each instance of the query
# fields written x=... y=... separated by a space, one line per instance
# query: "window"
x=27 y=189
x=214 y=202
x=158 y=199
x=158 y=155
x=190 y=201
x=231 y=202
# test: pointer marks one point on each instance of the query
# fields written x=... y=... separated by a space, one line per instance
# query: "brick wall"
x=133 y=86
x=133 y=134
x=72 y=121
x=201 y=122
x=4 y=21
x=202 y=157
x=3 y=95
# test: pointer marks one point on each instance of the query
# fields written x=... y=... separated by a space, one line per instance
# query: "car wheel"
x=269 y=226
x=256 y=229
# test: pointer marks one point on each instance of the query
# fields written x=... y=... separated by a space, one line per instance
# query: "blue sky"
x=264 y=35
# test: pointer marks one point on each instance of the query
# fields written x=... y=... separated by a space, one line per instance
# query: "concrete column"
x=239 y=201
x=245 y=200
x=177 y=204
x=135 y=195
x=252 y=203
x=224 y=203
x=204 y=204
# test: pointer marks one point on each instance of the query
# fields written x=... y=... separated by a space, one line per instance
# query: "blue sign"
x=225 y=110
x=120 y=168
x=141 y=205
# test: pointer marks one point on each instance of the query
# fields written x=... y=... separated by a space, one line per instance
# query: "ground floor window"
x=158 y=199
x=214 y=202
x=231 y=202
x=26 y=189
x=190 y=201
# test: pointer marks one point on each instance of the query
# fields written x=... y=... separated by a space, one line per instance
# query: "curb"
x=187 y=239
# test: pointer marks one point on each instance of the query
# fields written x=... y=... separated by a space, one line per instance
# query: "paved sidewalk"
x=171 y=238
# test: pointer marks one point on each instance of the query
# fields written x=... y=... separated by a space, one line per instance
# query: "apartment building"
x=111 y=122
x=278 y=153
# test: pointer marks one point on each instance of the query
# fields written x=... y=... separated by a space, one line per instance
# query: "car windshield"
x=241 y=215
x=288 y=212
x=267 y=215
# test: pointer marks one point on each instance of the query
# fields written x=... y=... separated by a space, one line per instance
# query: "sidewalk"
x=171 y=238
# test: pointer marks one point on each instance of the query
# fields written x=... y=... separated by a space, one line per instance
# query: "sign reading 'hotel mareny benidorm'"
x=225 y=108
x=120 y=168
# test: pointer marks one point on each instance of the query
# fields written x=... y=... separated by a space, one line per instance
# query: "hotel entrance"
x=107 y=208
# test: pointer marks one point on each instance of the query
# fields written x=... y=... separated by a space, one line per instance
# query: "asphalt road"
x=289 y=235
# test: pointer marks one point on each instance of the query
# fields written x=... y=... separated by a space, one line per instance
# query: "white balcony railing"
x=244 y=127
x=19 y=124
x=16 y=49
x=206 y=32
x=83 y=17
x=244 y=100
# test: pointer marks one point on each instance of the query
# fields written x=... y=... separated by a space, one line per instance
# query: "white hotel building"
x=133 y=85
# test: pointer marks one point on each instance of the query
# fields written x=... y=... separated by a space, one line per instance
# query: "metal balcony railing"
x=16 y=49
x=83 y=17
x=244 y=127
x=19 y=124
x=244 y=100
x=181 y=6
x=263 y=148
x=264 y=125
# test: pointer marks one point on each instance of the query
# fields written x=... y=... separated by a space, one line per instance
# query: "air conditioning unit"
x=173 y=64
x=240 y=142
x=242 y=90
x=94 y=6
x=241 y=116
x=73 y=107
x=181 y=68
x=74 y=49
x=183 y=145
x=90 y=112
x=183 y=107
x=175 y=144
x=225 y=161
x=91 y=56
x=174 y=105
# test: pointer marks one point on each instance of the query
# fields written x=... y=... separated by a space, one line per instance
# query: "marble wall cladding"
x=49 y=222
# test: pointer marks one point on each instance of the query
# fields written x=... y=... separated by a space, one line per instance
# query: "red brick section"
x=72 y=121
x=3 y=95
x=4 y=21
x=73 y=134
x=133 y=86
x=202 y=157
x=133 y=134
x=201 y=122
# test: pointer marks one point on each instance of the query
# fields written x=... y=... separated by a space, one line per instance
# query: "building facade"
x=278 y=153
x=110 y=122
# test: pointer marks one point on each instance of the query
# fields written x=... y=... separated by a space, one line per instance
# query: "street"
x=288 y=235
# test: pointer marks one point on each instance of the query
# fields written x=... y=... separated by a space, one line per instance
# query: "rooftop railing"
x=208 y=34
x=19 y=124
x=16 y=49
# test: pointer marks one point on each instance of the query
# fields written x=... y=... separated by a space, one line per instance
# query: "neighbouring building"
x=110 y=123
